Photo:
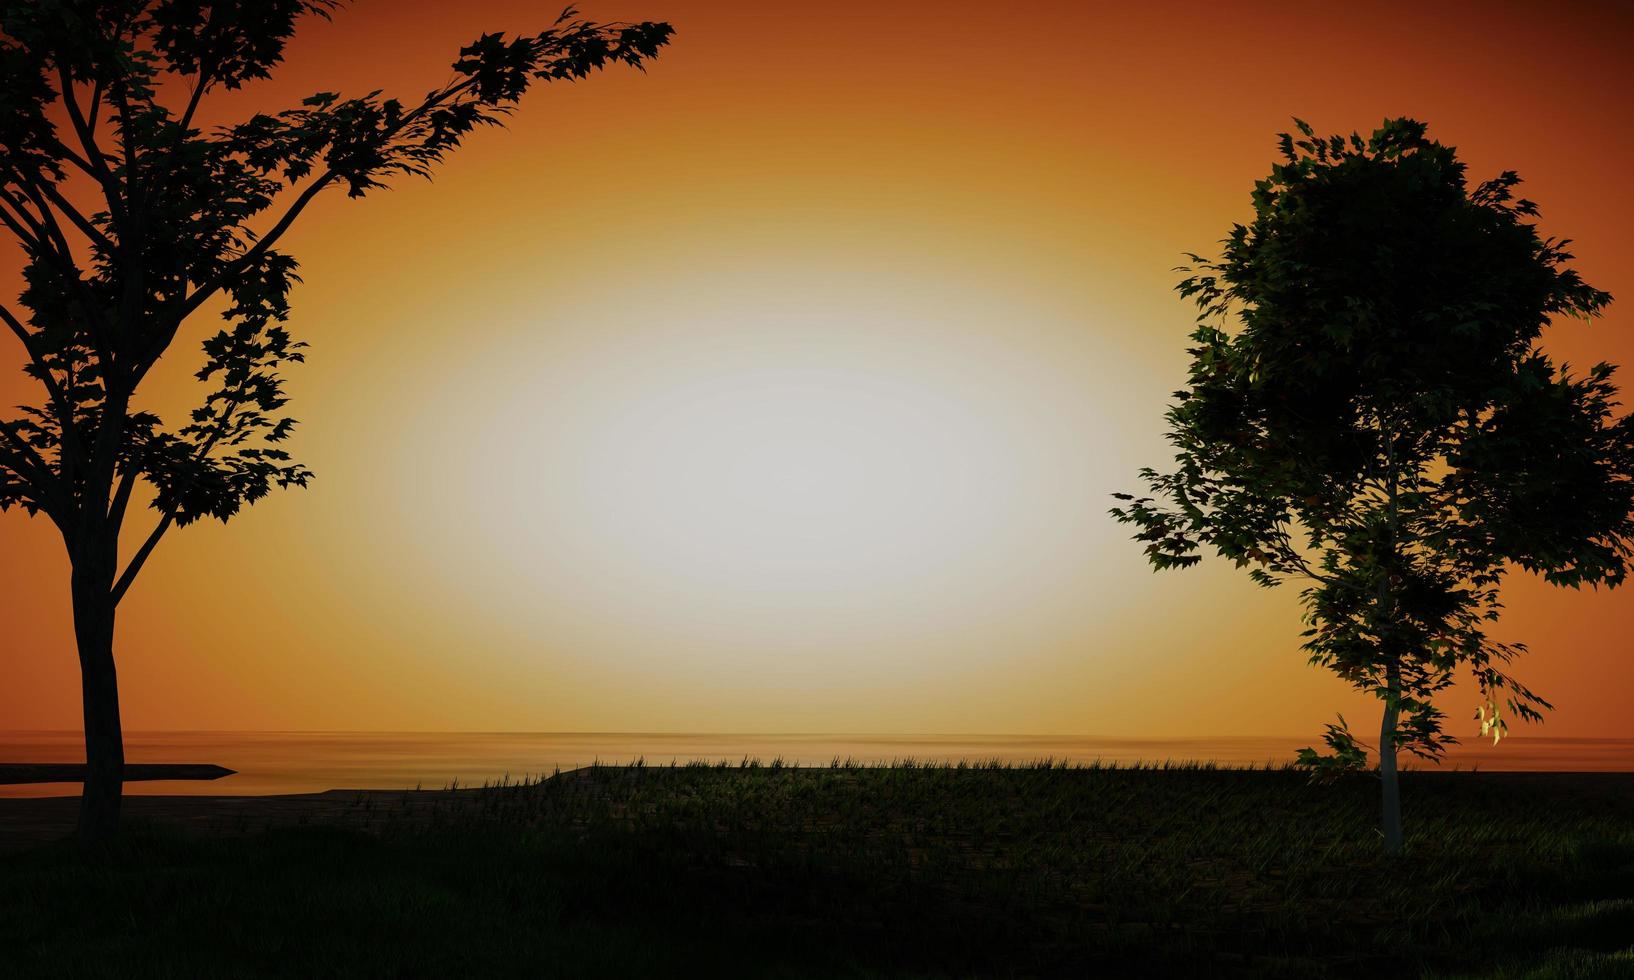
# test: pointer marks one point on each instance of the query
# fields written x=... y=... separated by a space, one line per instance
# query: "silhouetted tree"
x=131 y=218
x=1380 y=422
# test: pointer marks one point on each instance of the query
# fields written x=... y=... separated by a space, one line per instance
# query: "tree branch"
x=140 y=558
x=96 y=110
x=67 y=153
x=208 y=289
x=121 y=496
x=85 y=227
x=26 y=237
x=49 y=242
x=19 y=203
x=132 y=236
x=1303 y=567
x=65 y=416
x=122 y=110
x=96 y=164
x=17 y=328
x=193 y=103
x=46 y=220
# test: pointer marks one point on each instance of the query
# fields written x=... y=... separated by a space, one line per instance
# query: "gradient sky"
x=782 y=388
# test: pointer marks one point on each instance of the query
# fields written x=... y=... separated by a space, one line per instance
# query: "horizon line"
x=738 y=734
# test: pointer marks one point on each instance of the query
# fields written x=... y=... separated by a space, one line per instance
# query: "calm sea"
x=305 y=762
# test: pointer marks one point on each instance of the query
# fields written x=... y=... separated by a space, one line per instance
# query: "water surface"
x=305 y=762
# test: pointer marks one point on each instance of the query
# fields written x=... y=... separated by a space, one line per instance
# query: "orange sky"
x=782 y=387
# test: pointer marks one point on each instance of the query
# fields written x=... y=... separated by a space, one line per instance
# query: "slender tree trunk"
x=99 y=684
x=1387 y=763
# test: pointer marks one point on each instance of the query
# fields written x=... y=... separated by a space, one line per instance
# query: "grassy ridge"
x=851 y=871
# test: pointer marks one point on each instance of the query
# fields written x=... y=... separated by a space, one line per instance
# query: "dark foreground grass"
x=909 y=871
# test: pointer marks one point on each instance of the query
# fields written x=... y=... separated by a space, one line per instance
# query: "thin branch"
x=95 y=111
x=121 y=496
x=59 y=397
x=51 y=243
x=140 y=558
x=20 y=206
x=17 y=328
x=14 y=221
x=63 y=257
x=96 y=163
x=193 y=103
x=65 y=151
x=1303 y=567
x=85 y=227
x=65 y=415
x=47 y=219
x=96 y=166
x=131 y=240
x=122 y=112
x=208 y=289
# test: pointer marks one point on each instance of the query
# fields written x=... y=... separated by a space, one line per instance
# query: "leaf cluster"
x=1346 y=754
x=131 y=216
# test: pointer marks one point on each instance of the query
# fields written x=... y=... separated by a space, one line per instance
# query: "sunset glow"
x=780 y=389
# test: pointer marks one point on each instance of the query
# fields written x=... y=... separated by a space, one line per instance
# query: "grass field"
x=857 y=872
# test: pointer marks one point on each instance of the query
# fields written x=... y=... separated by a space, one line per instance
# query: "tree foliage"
x=1369 y=410
x=179 y=215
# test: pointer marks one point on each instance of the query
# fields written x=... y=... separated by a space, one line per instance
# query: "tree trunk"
x=1387 y=763
x=99 y=684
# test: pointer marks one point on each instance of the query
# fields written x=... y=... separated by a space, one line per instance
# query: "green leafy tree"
x=1368 y=411
x=131 y=217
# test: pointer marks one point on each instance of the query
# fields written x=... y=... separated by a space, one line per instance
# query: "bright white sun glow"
x=782 y=487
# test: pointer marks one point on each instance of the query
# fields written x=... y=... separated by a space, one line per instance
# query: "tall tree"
x=131 y=217
x=1368 y=410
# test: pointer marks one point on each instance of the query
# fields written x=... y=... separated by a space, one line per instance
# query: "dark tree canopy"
x=131 y=217
x=182 y=215
x=1369 y=410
